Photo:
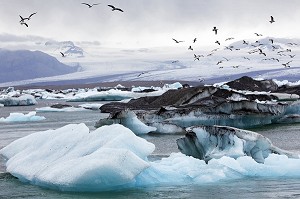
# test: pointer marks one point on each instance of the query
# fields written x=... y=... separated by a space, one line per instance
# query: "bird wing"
x=23 y=23
x=272 y=19
x=32 y=14
x=86 y=4
x=175 y=40
x=119 y=9
x=113 y=7
x=62 y=54
x=94 y=4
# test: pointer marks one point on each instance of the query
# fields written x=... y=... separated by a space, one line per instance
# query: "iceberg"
x=22 y=100
x=212 y=142
x=20 y=117
x=74 y=159
x=112 y=157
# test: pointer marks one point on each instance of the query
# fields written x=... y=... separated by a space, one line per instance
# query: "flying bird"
x=217 y=42
x=230 y=38
x=244 y=42
x=26 y=18
x=272 y=20
x=190 y=48
x=195 y=40
x=62 y=54
x=271 y=40
x=259 y=35
x=287 y=65
x=89 y=5
x=215 y=29
x=114 y=8
x=177 y=40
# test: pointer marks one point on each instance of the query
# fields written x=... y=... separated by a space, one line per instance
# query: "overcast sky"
x=149 y=22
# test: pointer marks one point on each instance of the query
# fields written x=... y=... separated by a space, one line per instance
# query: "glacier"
x=72 y=158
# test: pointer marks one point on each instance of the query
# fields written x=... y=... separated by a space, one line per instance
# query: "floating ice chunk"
x=20 y=117
x=74 y=159
x=128 y=119
x=67 y=109
x=91 y=106
x=208 y=142
x=23 y=100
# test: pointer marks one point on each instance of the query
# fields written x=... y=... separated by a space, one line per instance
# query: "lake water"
x=283 y=136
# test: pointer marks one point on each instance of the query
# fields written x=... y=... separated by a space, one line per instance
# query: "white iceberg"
x=22 y=100
x=112 y=157
x=66 y=109
x=20 y=117
x=73 y=158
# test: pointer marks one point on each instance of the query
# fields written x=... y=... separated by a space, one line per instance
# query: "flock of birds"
x=24 y=20
x=257 y=45
x=257 y=49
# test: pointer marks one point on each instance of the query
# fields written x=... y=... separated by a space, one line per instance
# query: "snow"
x=20 y=117
x=112 y=157
x=174 y=62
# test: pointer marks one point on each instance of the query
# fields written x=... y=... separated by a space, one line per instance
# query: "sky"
x=146 y=23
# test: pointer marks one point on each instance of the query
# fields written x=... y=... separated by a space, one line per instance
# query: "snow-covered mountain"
x=261 y=57
x=24 y=64
x=66 y=47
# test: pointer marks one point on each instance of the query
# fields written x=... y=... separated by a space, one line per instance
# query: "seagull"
x=26 y=18
x=226 y=59
x=190 y=48
x=286 y=65
x=215 y=29
x=271 y=40
x=261 y=52
x=230 y=38
x=114 y=8
x=177 y=41
x=246 y=58
x=244 y=42
x=23 y=23
x=292 y=56
x=89 y=5
x=258 y=34
x=219 y=62
x=62 y=54
x=195 y=40
x=196 y=57
x=217 y=42
x=272 y=20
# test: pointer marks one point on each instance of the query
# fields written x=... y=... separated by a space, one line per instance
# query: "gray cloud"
x=149 y=22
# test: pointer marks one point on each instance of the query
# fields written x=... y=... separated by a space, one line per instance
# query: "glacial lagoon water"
x=284 y=136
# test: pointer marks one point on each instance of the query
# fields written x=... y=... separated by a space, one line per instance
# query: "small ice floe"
x=60 y=108
x=20 y=117
x=91 y=106
x=18 y=100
